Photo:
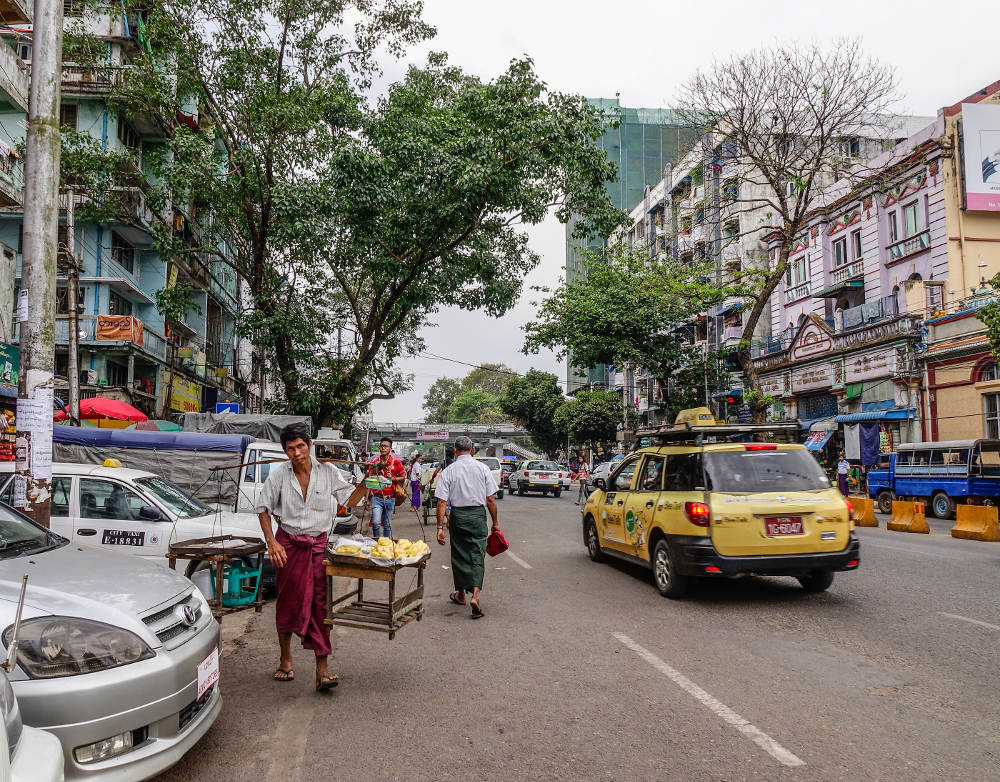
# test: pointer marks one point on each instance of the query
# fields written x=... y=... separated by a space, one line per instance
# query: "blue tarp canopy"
x=162 y=441
x=729 y=308
x=898 y=414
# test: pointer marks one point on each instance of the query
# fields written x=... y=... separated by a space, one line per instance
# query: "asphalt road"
x=581 y=671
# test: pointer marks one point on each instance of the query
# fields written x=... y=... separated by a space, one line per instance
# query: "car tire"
x=520 y=490
x=557 y=492
x=668 y=581
x=942 y=505
x=817 y=580
x=500 y=494
x=884 y=500
x=593 y=542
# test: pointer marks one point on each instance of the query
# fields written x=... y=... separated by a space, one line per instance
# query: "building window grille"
x=840 y=252
x=118 y=305
x=893 y=228
x=856 y=245
x=991 y=413
x=911 y=218
x=122 y=253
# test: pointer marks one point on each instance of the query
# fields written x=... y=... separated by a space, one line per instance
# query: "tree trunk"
x=751 y=380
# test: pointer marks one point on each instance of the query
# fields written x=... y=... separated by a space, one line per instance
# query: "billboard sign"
x=981 y=139
x=440 y=435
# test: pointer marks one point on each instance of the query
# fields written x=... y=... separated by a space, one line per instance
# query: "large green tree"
x=532 y=401
x=439 y=397
x=627 y=309
x=475 y=406
x=592 y=418
x=488 y=377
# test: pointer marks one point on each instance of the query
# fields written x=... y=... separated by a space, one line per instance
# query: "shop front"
x=9 y=367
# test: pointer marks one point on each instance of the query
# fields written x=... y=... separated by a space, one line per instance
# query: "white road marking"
x=970 y=621
x=751 y=731
x=518 y=560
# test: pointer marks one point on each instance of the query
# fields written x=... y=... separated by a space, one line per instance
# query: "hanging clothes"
x=852 y=441
x=869 y=444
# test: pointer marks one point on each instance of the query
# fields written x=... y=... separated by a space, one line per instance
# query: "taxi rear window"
x=734 y=472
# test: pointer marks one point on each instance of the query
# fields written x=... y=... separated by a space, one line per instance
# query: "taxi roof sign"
x=721 y=433
x=695 y=416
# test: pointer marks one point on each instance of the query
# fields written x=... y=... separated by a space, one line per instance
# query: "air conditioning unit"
x=88 y=377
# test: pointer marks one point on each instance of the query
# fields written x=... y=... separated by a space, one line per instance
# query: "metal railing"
x=870 y=312
x=86 y=78
x=969 y=304
x=800 y=291
x=910 y=245
x=848 y=271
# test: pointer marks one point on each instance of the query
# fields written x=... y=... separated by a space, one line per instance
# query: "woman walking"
x=416 y=468
x=583 y=476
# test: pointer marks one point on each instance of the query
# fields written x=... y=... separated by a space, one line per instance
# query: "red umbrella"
x=102 y=407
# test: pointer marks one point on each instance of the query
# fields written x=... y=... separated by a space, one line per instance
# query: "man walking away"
x=843 y=468
x=384 y=500
x=301 y=496
x=467 y=486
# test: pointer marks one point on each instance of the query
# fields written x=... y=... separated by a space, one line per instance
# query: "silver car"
x=26 y=754
x=116 y=656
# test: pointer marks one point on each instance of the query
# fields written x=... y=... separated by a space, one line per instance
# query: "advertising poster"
x=981 y=139
x=123 y=328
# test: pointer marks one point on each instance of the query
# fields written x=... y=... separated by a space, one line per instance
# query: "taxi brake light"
x=697 y=513
x=761 y=447
x=850 y=509
x=852 y=563
x=712 y=569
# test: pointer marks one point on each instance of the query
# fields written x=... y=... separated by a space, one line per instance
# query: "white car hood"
x=87 y=582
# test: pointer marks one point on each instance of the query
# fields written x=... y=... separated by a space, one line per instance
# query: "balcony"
x=15 y=11
x=731 y=336
x=870 y=312
x=800 y=291
x=911 y=245
x=11 y=179
x=849 y=272
x=79 y=79
x=14 y=80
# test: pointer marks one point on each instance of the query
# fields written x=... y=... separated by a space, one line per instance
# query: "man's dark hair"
x=385 y=440
x=297 y=431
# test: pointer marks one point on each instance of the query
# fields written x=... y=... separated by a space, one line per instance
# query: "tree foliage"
x=475 y=406
x=531 y=401
x=591 y=417
x=489 y=377
x=782 y=113
x=439 y=397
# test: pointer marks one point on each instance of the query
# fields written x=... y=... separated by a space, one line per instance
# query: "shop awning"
x=727 y=308
x=809 y=423
x=817 y=440
x=897 y=414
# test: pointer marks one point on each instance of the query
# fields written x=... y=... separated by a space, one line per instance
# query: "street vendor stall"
x=384 y=560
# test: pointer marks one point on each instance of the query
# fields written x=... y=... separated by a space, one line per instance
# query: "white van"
x=494 y=464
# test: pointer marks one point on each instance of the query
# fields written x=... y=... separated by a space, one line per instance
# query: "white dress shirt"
x=415 y=469
x=466 y=482
x=281 y=496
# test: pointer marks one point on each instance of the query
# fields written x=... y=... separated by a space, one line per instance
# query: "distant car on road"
x=599 y=475
x=537 y=475
x=494 y=464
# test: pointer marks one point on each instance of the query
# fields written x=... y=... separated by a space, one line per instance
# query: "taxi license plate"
x=208 y=672
x=777 y=526
x=544 y=476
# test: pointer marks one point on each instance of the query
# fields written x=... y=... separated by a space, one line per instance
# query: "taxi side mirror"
x=599 y=483
x=149 y=513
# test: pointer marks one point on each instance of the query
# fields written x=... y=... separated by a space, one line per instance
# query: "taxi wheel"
x=885 y=501
x=593 y=542
x=670 y=583
x=817 y=580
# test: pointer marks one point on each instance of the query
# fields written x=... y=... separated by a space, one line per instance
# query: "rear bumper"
x=693 y=555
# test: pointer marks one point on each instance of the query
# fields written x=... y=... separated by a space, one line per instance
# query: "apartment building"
x=127 y=348
x=874 y=322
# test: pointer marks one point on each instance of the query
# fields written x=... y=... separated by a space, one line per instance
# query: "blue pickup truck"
x=941 y=474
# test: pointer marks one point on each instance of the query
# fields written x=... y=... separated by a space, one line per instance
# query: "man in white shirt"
x=416 y=468
x=467 y=486
x=301 y=495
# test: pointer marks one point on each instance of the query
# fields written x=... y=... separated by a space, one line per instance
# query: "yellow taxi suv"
x=717 y=501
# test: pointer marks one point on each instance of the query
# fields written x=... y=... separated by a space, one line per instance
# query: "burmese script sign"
x=812 y=377
x=866 y=366
x=119 y=328
x=774 y=386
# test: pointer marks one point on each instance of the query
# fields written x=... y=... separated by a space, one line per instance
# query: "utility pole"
x=73 y=311
x=37 y=309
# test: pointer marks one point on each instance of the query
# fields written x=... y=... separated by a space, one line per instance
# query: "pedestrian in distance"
x=843 y=468
x=416 y=468
x=468 y=488
x=583 y=476
x=301 y=497
x=383 y=501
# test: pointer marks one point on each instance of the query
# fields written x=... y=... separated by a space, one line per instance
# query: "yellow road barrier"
x=908 y=517
x=976 y=522
x=864 y=511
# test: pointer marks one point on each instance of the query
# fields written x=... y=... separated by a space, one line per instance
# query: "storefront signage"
x=812 y=377
x=432 y=435
x=119 y=328
x=185 y=395
x=775 y=385
x=10 y=362
x=867 y=366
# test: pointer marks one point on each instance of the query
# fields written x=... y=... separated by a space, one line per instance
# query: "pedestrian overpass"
x=484 y=436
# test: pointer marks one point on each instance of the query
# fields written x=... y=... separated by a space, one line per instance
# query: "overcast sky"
x=643 y=50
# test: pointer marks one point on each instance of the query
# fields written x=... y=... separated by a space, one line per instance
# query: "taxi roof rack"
x=722 y=433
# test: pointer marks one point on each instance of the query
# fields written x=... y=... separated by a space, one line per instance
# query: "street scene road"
x=582 y=671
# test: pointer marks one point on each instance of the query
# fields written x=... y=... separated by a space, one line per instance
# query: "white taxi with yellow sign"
x=713 y=500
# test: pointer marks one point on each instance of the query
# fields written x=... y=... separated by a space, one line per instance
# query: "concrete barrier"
x=976 y=522
x=908 y=517
x=864 y=511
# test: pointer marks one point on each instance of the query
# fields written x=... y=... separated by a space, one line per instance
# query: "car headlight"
x=52 y=646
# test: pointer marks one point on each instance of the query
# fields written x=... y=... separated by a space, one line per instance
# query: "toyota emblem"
x=190 y=617
x=780 y=498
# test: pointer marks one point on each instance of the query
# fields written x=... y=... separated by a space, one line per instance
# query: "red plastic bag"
x=496 y=543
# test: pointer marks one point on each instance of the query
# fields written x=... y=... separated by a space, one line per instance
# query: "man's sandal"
x=284 y=675
x=324 y=683
x=477 y=612
x=453 y=597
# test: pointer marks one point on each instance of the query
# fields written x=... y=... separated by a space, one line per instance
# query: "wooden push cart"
x=354 y=610
x=225 y=552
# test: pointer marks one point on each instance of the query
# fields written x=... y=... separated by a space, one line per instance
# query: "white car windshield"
x=185 y=506
x=543 y=466
x=491 y=462
x=19 y=536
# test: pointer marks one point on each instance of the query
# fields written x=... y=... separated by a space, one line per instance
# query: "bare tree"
x=784 y=119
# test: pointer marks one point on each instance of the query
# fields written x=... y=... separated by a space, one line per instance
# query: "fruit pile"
x=351 y=549
x=401 y=549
